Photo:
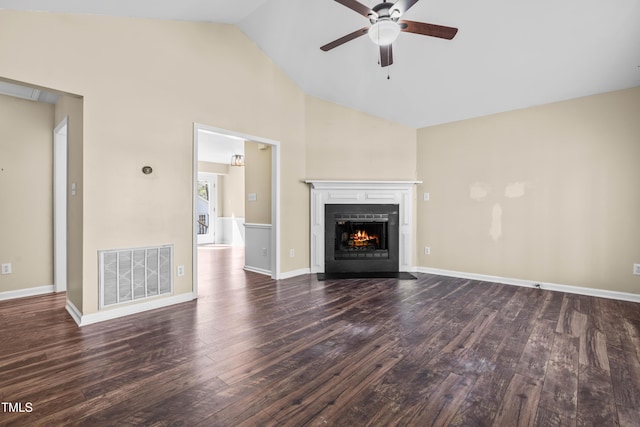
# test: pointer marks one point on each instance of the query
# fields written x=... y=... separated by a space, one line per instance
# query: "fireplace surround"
x=342 y=202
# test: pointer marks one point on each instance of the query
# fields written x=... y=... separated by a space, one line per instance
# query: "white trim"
x=592 y=292
x=324 y=184
x=325 y=192
x=275 y=196
x=275 y=210
x=257 y=270
x=126 y=310
x=295 y=273
x=194 y=213
x=74 y=312
x=60 y=203
x=256 y=225
x=29 y=292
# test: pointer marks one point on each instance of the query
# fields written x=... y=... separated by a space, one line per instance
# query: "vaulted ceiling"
x=508 y=54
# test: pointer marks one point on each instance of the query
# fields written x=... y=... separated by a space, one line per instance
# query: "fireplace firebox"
x=361 y=238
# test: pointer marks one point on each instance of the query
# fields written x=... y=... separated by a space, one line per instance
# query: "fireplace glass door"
x=361 y=238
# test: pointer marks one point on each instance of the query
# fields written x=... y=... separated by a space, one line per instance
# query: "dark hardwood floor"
x=251 y=351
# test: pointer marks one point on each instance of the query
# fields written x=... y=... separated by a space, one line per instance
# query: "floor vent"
x=134 y=274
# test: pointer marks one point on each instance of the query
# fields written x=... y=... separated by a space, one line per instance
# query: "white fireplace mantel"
x=325 y=192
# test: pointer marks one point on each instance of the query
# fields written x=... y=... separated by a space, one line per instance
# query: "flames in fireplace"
x=361 y=234
x=362 y=238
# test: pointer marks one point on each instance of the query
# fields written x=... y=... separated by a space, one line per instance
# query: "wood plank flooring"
x=251 y=351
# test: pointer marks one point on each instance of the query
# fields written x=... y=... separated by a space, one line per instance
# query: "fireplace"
x=361 y=226
x=361 y=238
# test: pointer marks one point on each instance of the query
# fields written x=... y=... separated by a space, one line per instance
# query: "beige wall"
x=26 y=186
x=144 y=83
x=71 y=108
x=216 y=168
x=232 y=188
x=257 y=181
x=544 y=194
x=346 y=144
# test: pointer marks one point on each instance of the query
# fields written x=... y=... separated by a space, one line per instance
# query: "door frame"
x=213 y=206
x=275 y=196
x=60 y=178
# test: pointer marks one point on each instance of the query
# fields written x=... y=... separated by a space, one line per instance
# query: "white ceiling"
x=217 y=148
x=225 y=11
x=508 y=54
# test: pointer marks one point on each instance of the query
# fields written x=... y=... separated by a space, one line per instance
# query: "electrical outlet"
x=264 y=251
x=6 y=268
x=292 y=253
x=636 y=269
x=180 y=270
x=427 y=250
x=425 y=197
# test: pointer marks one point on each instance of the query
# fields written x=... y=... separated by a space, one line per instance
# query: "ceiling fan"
x=386 y=26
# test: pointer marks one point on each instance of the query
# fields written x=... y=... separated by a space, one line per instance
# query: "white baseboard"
x=257 y=270
x=29 y=292
x=601 y=293
x=126 y=310
x=74 y=312
x=294 y=273
x=285 y=275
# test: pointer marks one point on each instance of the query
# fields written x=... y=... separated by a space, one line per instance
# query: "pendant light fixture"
x=237 y=160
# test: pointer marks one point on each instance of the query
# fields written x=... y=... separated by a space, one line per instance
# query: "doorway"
x=275 y=195
x=206 y=207
x=60 y=149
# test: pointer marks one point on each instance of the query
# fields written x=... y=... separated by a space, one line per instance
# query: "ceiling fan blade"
x=386 y=55
x=358 y=7
x=425 y=29
x=403 y=5
x=342 y=40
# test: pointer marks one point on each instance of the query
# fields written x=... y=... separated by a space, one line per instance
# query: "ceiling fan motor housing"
x=383 y=12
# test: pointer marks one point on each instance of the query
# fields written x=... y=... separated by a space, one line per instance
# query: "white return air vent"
x=134 y=274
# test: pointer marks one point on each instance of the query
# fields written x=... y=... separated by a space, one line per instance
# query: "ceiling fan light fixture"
x=384 y=32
